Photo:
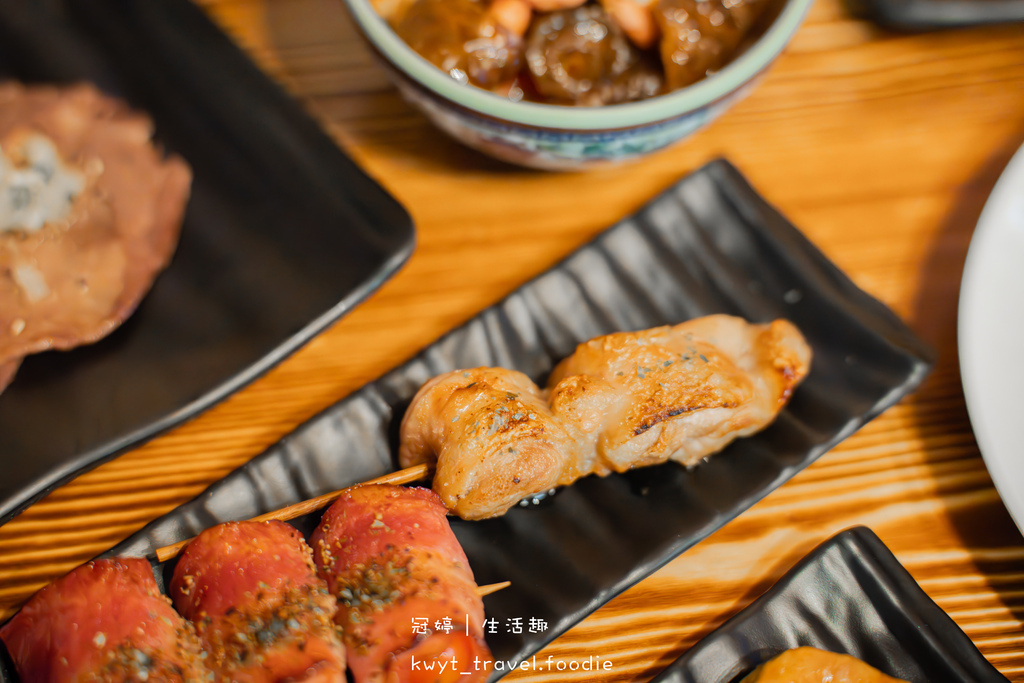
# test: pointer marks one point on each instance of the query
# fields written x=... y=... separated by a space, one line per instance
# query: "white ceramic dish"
x=991 y=335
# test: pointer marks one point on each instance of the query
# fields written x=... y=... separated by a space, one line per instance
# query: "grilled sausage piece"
x=261 y=612
x=105 y=621
x=407 y=601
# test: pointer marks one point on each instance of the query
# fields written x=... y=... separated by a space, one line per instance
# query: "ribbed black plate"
x=926 y=15
x=709 y=244
x=850 y=595
x=283 y=235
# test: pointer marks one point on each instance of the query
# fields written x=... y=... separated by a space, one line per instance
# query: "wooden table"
x=881 y=147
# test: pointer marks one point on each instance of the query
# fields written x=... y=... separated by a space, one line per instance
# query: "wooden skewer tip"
x=492 y=588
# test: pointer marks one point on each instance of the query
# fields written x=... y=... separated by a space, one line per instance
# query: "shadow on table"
x=981 y=524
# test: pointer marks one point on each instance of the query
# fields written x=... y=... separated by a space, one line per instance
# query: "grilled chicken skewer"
x=621 y=401
x=105 y=621
x=405 y=589
x=261 y=612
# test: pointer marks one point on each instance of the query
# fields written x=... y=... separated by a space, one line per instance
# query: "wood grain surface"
x=881 y=147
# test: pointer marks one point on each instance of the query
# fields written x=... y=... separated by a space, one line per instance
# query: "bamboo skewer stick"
x=406 y=476
x=483 y=591
x=409 y=474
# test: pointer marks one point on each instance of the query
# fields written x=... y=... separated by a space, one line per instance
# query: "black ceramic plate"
x=709 y=244
x=850 y=595
x=923 y=15
x=283 y=235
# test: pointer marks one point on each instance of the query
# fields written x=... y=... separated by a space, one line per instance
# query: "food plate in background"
x=851 y=596
x=990 y=333
x=709 y=244
x=283 y=235
x=926 y=15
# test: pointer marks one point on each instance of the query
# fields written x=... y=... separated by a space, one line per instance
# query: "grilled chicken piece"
x=407 y=600
x=493 y=437
x=810 y=665
x=261 y=612
x=105 y=621
x=682 y=392
x=621 y=401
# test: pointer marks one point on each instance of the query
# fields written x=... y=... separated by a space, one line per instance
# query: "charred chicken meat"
x=621 y=401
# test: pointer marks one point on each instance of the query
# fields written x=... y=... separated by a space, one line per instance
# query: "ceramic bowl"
x=557 y=137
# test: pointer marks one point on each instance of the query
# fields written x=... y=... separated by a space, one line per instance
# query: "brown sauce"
x=575 y=52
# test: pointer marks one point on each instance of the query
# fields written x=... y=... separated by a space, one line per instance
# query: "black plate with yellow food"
x=850 y=596
x=282 y=235
x=932 y=15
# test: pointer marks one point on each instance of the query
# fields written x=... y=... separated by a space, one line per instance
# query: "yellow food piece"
x=811 y=665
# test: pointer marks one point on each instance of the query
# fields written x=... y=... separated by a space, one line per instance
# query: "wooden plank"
x=881 y=147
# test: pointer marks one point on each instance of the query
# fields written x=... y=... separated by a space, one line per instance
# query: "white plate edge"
x=972 y=345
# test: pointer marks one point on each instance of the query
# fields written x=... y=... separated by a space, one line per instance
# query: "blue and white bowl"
x=557 y=137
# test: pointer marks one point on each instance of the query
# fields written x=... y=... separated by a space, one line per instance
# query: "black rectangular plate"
x=709 y=244
x=283 y=235
x=850 y=595
x=926 y=15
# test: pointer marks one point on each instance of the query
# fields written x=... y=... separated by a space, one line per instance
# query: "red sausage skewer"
x=105 y=621
x=261 y=612
x=408 y=604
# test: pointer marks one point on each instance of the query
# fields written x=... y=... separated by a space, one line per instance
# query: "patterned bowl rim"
x=686 y=100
